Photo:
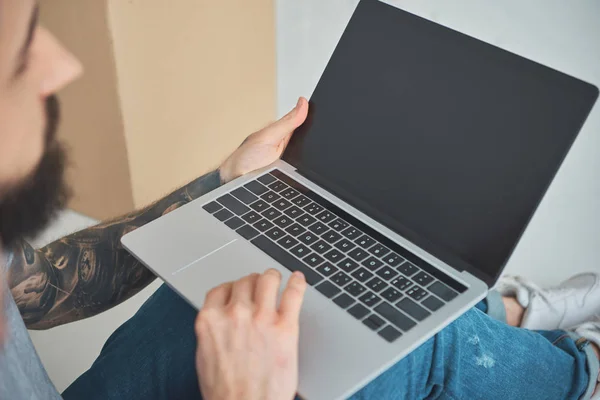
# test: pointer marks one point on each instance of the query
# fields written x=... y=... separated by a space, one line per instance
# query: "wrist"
x=220 y=176
x=223 y=176
x=225 y=171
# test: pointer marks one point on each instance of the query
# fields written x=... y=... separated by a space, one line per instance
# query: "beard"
x=26 y=208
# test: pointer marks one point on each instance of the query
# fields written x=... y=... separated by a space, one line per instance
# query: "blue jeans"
x=151 y=356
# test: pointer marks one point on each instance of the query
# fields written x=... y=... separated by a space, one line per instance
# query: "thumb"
x=283 y=128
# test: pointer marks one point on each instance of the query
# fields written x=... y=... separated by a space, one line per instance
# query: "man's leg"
x=152 y=357
x=477 y=357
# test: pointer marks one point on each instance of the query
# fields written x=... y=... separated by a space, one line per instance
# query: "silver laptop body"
x=421 y=106
x=193 y=252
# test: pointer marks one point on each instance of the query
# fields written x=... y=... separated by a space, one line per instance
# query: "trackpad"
x=229 y=263
x=176 y=241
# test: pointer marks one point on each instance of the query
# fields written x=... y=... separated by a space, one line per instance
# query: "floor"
x=564 y=236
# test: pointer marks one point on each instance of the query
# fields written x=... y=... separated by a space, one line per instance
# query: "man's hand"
x=247 y=344
x=264 y=147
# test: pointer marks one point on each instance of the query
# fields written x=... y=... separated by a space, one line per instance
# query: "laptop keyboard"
x=375 y=280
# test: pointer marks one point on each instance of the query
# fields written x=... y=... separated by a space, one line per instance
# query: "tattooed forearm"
x=88 y=272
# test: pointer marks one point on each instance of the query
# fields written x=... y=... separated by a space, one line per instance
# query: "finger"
x=267 y=288
x=219 y=296
x=243 y=290
x=281 y=129
x=292 y=298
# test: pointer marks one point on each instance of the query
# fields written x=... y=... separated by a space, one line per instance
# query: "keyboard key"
x=338 y=225
x=433 y=303
x=286 y=259
x=313 y=208
x=370 y=299
x=293 y=212
x=271 y=214
x=251 y=217
x=289 y=193
x=234 y=223
x=326 y=217
x=340 y=279
x=313 y=260
x=244 y=195
x=321 y=247
x=267 y=179
x=417 y=293
x=351 y=233
x=358 y=254
x=283 y=221
x=387 y=273
x=270 y=197
x=408 y=269
x=318 y=228
x=223 y=215
x=334 y=256
x=364 y=241
x=282 y=204
x=263 y=225
x=295 y=230
x=327 y=269
x=287 y=242
x=392 y=295
x=212 y=207
x=393 y=259
x=413 y=309
x=300 y=251
x=362 y=275
x=306 y=220
x=374 y=322
x=376 y=285
x=247 y=232
x=345 y=245
x=389 y=333
x=275 y=234
x=348 y=265
x=331 y=237
x=328 y=289
x=442 y=291
x=256 y=187
x=233 y=204
x=422 y=279
x=355 y=289
x=372 y=263
x=278 y=186
x=301 y=201
x=308 y=238
x=259 y=206
x=358 y=311
x=394 y=316
x=344 y=301
x=379 y=250
x=402 y=283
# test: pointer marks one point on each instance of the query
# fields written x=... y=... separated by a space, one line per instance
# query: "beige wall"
x=171 y=88
x=91 y=124
x=195 y=77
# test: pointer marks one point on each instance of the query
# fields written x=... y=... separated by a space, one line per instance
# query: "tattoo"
x=88 y=272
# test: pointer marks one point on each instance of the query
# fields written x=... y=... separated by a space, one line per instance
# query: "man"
x=245 y=343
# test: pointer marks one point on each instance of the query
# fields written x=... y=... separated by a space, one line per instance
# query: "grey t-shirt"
x=22 y=375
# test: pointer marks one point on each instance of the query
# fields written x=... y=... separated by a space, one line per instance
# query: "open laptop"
x=424 y=157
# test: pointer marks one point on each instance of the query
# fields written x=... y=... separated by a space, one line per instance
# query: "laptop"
x=424 y=157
